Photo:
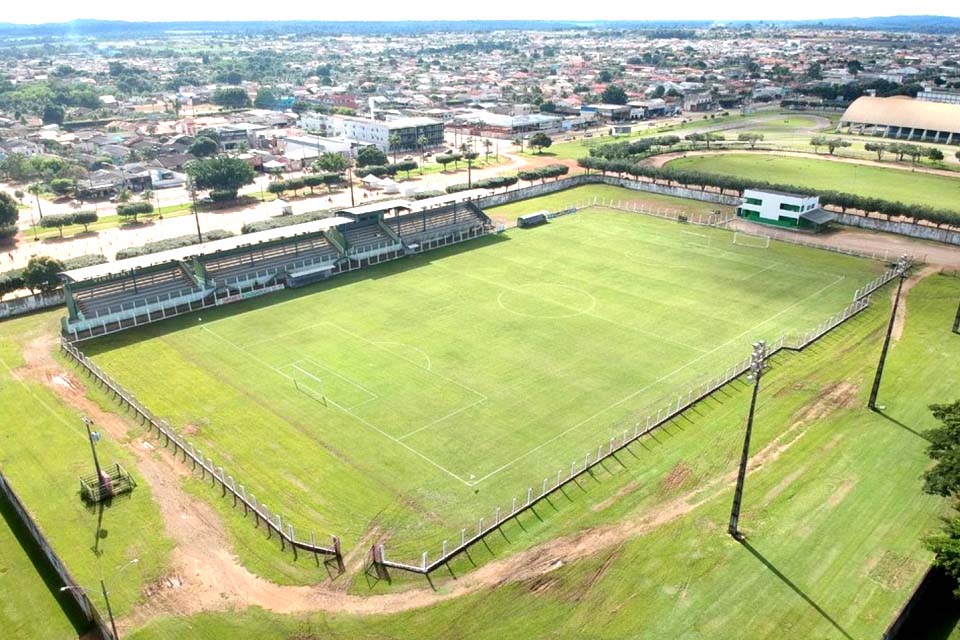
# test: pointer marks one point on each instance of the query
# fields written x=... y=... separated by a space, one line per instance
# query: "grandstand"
x=110 y=297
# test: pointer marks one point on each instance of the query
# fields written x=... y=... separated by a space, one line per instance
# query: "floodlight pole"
x=106 y=599
x=192 y=188
x=903 y=265
x=93 y=448
x=758 y=362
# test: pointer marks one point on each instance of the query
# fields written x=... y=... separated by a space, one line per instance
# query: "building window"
x=755 y=201
x=789 y=207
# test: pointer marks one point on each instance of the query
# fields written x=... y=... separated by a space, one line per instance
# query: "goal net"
x=750 y=240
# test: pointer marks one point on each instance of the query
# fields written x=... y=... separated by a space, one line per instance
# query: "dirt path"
x=900 y=321
x=933 y=253
x=205 y=574
x=662 y=159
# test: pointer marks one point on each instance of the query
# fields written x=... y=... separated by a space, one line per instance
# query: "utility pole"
x=93 y=437
x=192 y=188
x=758 y=362
x=106 y=599
x=903 y=265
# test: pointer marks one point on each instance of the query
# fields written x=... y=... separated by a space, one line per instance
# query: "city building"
x=903 y=117
x=379 y=132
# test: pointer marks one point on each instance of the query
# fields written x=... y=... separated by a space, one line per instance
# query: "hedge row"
x=542 y=173
x=702 y=180
x=308 y=181
x=171 y=243
x=284 y=221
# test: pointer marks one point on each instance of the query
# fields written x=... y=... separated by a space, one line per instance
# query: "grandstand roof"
x=450 y=198
x=901 y=111
x=127 y=265
x=374 y=207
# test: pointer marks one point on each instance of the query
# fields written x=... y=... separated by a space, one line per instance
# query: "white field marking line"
x=659 y=380
x=442 y=418
x=709 y=251
x=756 y=273
x=372 y=396
x=409 y=346
x=579 y=313
x=344 y=409
x=405 y=359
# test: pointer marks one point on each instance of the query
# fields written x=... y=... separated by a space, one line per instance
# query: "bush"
x=11 y=281
x=171 y=243
x=80 y=262
x=423 y=195
x=454 y=188
x=222 y=195
x=284 y=221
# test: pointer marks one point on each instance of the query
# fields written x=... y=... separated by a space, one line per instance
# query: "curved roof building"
x=903 y=117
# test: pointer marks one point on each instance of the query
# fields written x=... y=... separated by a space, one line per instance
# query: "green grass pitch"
x=414 y=397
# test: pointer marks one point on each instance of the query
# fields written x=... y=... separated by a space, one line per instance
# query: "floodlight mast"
x=758 y=363
x=92 y=437
x=903 y=266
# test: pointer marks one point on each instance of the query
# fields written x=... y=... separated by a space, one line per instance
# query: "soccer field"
x=411 y=397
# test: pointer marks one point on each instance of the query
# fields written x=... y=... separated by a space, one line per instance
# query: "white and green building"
x=783 y=209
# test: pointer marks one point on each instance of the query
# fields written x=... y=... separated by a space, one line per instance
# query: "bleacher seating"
x=136 y=290
x=366 y=237
x=262 y=263
x=435 y=223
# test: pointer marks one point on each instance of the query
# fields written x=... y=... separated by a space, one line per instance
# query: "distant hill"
x=116 y=28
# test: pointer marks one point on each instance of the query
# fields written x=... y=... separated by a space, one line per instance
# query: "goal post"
x=692 y=238
x=753 y=241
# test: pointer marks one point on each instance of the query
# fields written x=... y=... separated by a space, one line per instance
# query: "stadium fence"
x=273 y=522
x=666 y=411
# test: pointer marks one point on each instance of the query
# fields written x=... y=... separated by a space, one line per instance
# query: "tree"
x=86 y=218
x=134 y=209
x=540 y=141
x=265 y=99
x=878 y=148
x=854 y=67
x=486 y=150
x=613 y=95
x=53 y=114
x=750 y=137
x=9 y=212
x=935 y=154
x=57 y=221
x=394 y=141
x=330 y=162
x=957 y=155
x=836 y=143
x=203 y=147
x=422 y=143
x=443 y=160
x=41 y=273
x=221 y=173
x=36 y=189
x=371 y=155
x=231 y=97
x=62 y=186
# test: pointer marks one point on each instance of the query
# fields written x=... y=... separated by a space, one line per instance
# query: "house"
x=784 y=209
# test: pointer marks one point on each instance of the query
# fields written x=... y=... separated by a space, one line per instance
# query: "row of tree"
x=310 y=181
x=40 y=274
x=701 y=180
x=60 y=220
x=390 y=169
x=630 y=149
x=555 y=171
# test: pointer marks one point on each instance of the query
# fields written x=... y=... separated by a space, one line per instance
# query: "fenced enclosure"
x=666 y=411
x=114 y=480
x=273 y=522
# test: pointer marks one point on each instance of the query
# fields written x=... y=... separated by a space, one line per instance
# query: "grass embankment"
x=43 y=452
x=833 y=514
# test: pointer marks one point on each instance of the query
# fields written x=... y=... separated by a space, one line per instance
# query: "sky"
x=220 y=10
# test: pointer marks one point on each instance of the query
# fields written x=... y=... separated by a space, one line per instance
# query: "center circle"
x=546 y=301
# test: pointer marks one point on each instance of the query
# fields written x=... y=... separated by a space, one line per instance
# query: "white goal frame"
x=751 y=240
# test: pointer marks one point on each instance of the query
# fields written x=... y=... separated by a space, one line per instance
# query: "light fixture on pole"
x=758 y=363
x=903 y=266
